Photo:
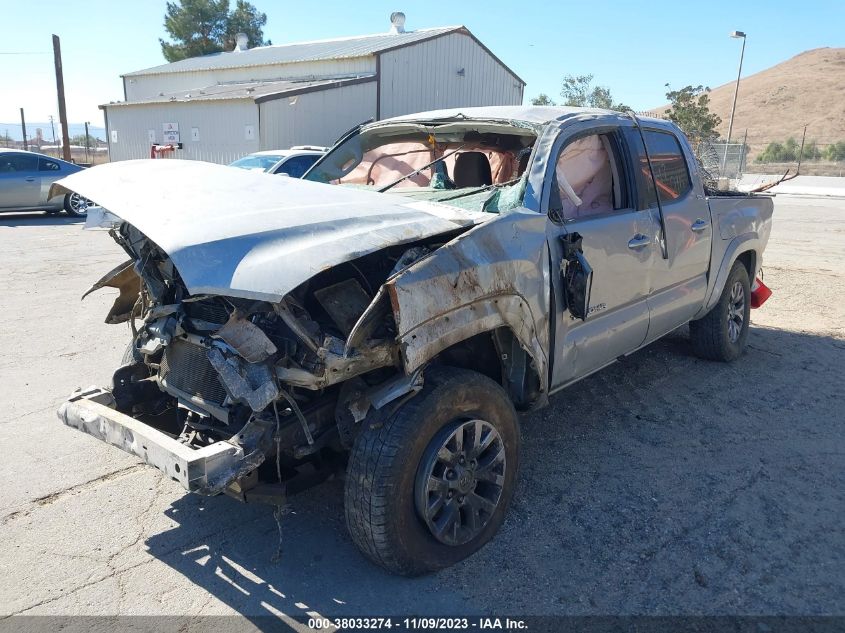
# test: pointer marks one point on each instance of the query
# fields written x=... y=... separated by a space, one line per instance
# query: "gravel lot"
x=663 y=485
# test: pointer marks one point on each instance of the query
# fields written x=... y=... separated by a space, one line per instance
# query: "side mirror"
x=577 y=276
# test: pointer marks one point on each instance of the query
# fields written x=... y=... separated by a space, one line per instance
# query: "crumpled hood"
x=240 y=233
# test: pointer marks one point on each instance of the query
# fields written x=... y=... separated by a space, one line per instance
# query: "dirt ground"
x=662 y=485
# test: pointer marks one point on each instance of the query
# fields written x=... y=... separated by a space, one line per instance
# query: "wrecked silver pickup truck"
x=390 y=314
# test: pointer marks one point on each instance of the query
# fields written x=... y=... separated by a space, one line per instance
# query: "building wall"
x=221 y=126
x=315 y=118
x=425 y=76
x=147 y=86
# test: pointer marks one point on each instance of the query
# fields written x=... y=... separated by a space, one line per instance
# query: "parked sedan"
x=293 y=162
x=25 y=179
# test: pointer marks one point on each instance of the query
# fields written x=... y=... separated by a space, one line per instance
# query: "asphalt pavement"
x=663 y=485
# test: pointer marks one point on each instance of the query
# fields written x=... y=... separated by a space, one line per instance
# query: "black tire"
x=386 y=461
x=712 y=336
x=72 y=205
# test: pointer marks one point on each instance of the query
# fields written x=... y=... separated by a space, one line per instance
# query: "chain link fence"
x=725 y=160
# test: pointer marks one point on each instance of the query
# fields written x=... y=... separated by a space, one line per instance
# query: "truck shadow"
x=649 y=488
x=36 y=218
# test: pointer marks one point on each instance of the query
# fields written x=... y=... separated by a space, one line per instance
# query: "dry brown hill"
x=778 y=102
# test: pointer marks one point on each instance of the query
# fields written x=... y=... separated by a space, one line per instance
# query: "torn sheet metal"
x=338 y=367
x=251 y=382
x=247 y=339
x=237 y=233
x=385 y=393
x=127 y=281
x=159 y=333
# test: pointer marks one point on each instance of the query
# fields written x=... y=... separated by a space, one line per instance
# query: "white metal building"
x=222 y=106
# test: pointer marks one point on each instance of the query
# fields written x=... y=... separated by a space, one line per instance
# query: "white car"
x=293 y=162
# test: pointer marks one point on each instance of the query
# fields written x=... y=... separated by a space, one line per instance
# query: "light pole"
x=86 y=141
x=735 y=34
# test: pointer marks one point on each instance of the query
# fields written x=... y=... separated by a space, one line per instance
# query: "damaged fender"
x=492 y=276
x=127 y=281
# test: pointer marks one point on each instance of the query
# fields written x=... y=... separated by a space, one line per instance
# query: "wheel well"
x=499 y=356
x=749 y=260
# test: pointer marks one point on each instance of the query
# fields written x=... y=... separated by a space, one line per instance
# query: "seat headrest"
x=472 y=169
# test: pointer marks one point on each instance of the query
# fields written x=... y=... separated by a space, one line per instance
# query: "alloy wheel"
x=736 y=312
x=460 y=479
x=78 y=204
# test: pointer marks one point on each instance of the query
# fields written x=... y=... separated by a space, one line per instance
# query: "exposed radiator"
x=206 y=310
x=186 y=367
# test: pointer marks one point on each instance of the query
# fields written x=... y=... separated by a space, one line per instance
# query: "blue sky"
x=632 y=47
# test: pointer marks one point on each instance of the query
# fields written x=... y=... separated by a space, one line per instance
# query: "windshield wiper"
x=416 y=171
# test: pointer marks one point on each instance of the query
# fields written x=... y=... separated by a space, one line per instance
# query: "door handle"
x=30 y=179
x=698 y=226
x=639 y=241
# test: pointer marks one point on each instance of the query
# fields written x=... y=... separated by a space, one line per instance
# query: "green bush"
x=835 y=151
x=789 y=152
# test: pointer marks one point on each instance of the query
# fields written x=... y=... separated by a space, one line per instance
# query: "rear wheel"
x=430 y=484
x=722 y=333
x=76 y=206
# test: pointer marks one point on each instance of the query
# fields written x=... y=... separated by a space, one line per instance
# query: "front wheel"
x=430 y=484
x=722 y=333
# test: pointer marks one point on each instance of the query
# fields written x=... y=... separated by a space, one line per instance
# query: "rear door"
x=678 y=281
x=20 y=186
x=617 y=242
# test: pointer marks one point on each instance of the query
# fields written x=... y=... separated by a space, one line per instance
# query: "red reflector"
x=759 y=293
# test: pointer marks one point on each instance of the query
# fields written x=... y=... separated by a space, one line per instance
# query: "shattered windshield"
x=471 y=164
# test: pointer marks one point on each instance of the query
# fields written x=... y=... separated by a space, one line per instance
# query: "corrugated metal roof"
x=339 y=48
x=255 y=90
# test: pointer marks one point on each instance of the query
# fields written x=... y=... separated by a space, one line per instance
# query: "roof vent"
x=397 y=22
x=241 y=42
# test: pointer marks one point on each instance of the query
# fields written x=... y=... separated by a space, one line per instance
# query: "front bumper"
x=207 y=470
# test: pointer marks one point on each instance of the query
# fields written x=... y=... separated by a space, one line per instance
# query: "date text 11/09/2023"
x=417 y=624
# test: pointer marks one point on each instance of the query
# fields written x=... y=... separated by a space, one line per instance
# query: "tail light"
x=760 y=292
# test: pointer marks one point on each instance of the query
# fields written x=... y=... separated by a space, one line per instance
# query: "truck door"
x=592 y=202
x=678 y=281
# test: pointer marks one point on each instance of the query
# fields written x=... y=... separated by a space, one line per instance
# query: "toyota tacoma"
x=389 y=315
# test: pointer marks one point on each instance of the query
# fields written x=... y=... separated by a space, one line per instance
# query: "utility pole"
x=23 y=129
x=60 y=89
x=86 y=142
x=801 y=151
